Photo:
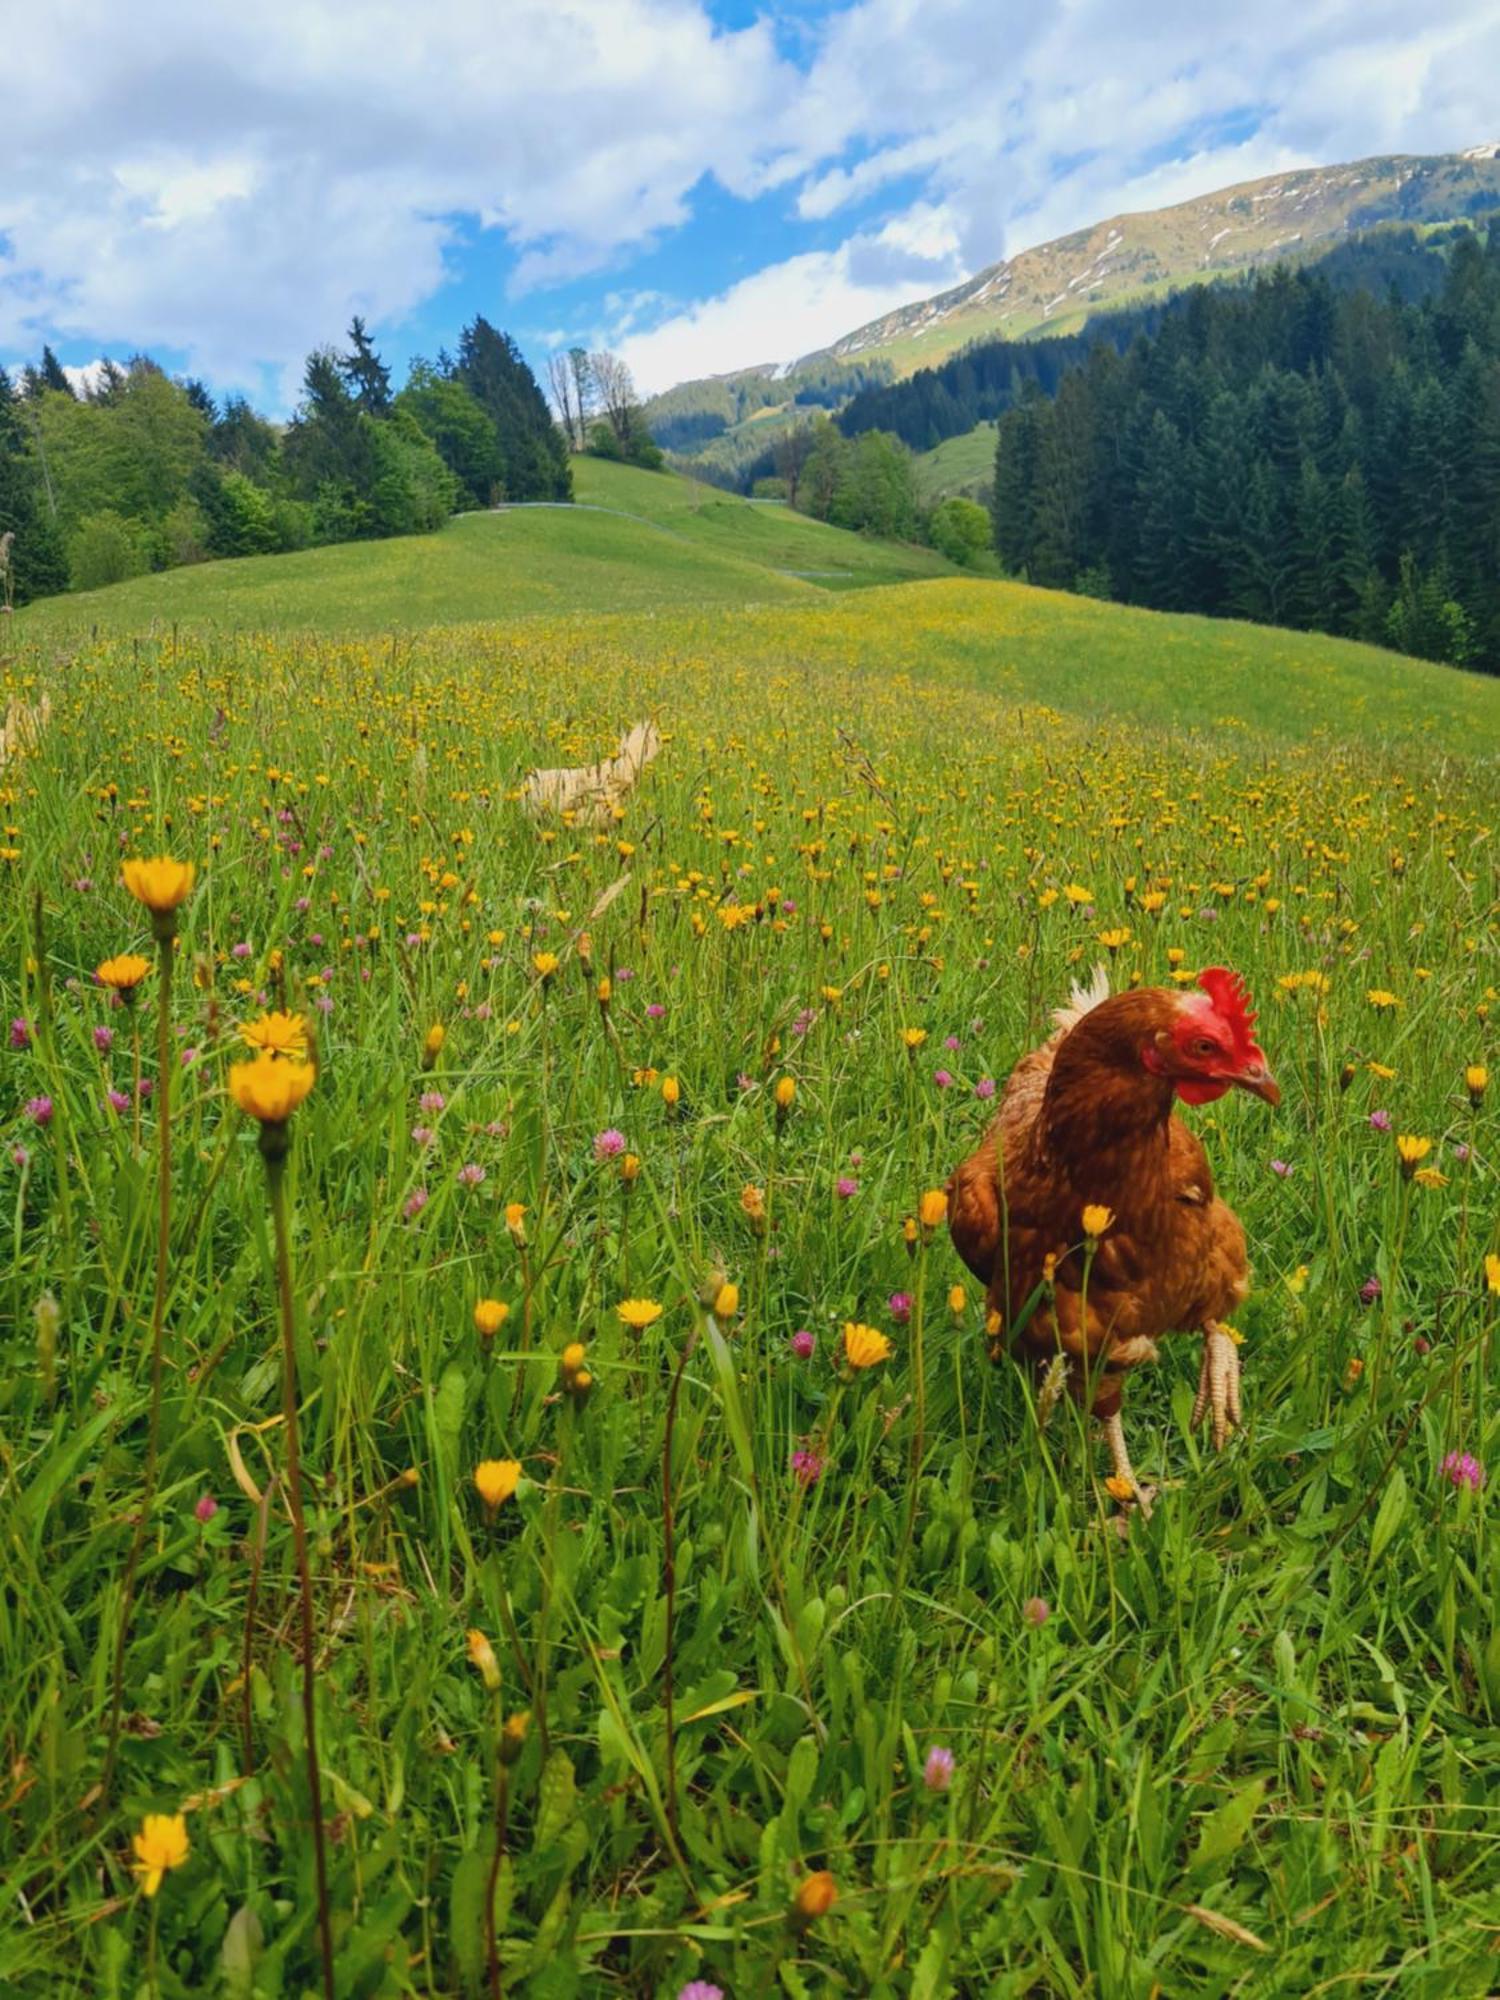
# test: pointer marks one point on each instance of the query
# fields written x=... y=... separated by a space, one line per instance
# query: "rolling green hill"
x=637 y=541
x=958 y=465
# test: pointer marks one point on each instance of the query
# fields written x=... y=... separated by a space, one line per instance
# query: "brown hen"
x=1087 y=1120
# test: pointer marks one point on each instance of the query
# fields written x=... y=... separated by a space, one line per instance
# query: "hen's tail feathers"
x=1083 y=1000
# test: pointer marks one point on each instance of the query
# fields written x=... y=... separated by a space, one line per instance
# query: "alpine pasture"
x=662 y=1630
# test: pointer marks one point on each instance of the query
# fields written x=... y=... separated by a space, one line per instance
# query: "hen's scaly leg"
x=1114 y=1432
x=1218 y=1382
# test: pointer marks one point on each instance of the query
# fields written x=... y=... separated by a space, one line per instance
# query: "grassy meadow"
x=640 y=1618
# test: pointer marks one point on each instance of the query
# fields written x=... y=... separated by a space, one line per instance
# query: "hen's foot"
x=1122 y=1483
x=1218 y=1383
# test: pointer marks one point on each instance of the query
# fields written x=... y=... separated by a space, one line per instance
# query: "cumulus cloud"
x=231 y=184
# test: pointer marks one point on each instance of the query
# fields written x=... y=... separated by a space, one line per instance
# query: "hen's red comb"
x=1231 y=1000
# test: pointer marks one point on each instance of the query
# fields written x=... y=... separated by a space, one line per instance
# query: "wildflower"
x=671 y=1092
x=808 y=1467
x=1492 y=1274
x=638 y=1314
x=957 y=1301
x=205 y=1508
x=608 y=1145
x=482 y=1656
x=20 y=1034
x=815 y=1897
x=943 y=1079
x=268 y=1089
x=513 y=1735
x=726 y=1301
x=1369 y=1291
x=162 y=1843
x=700 y=1989
x=785 y=1093
x=1036 y=1611
x=1353 y=1372
x=932 y=1210
x=984 y=1090
x=630 y=1167
x=163 y=885
x=432 y=1044
x=1412 y=1151
x=545 y=964
x=572 y=1359
x=864 y=1347
x=913 y=1038
x=515 y=1222
x=117 y=1100
x=104 y=1039
x=804 y=1341
x=1429 y=1177
x=123 y=974
x=489 y=1316
x=471 y=1174
x=1464 y=1469
x=937 y=1772
x=20 y=1157
x=1382 y=1001
x=39 y=1110
x=655 y=1011
x=846 y=1187
x=1112 y=940
x=1280 y=1168
x=1380 y=1121
x=1096 y=1220
x=415 y=1202
x=422 y=1135
x=753 y=1202
x=278 y=1035
x=432 y=1102
x=1476 y=1079
x=497 y=1479
x=899 y=1307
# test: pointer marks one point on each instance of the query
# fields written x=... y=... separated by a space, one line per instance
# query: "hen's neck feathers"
x=1105 y=1116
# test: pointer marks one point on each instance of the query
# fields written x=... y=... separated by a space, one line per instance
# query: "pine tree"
x=536 y=457
x=365 y=374
x=36 y=564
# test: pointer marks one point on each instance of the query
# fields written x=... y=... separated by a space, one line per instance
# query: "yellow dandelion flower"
x=1118 y=1487
x=864 y=1346
x=123 y=974
x=726 y=1301
x=932 y=1209
x=277 y=1035
x=1097 y=1219
x=1411 y=1151
x=496 y=1479
x=1476 y=1082
x=162 y=1843
x=161 y=883
x=269 y=1089
x=482 y=1656
x=1492 y=1274
x=489 y=1316
x=638 y=1314
x=545 y=964
x=785 y=1093
x=671 y=1092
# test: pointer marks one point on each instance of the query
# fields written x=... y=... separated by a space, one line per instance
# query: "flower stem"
x=274 y=1154
x=158 y=1323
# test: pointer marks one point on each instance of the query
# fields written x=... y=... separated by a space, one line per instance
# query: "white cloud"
x=233 y=183
x=792 y=307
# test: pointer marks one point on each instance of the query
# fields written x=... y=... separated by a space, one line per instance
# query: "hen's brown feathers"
x=1082 y=1121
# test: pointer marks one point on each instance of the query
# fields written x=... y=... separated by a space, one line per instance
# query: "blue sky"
x=698 y=183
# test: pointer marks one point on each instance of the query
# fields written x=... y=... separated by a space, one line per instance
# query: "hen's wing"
x=974 y=1190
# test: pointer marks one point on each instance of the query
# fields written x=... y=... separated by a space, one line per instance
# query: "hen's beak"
x=1260 y=1083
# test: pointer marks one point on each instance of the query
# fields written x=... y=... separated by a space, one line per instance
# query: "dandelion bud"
x=932 y=1211
x=482 y=1656
x=815 y=1897
x=515 y=1222
x=786 y=1095
x=671 y=1092
x=489 y=1316
x=910 y=1235
x=1096 y=1220
x=585 y=950
x=1476 y=1082
x=1347 y=1075
x=957 y=1301
x=513 y=1735
x=604 y=992
x=726 y=1301
x=630 y=1167
x=572 y=1357
x=432 y=1044
x=410 y=1478
x=580 y=1387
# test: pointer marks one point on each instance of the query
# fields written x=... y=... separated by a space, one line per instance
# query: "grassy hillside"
x=640 y=541
x=958 y=465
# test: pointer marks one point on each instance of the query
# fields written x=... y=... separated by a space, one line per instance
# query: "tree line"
x=1290 y=450
x=132 y=470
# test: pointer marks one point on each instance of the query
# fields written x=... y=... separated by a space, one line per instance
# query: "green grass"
x=958 y=465
x=1246 y=1747
x=664 y=542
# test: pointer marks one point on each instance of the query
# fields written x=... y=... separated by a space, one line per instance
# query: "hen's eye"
x=1202 y=1046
